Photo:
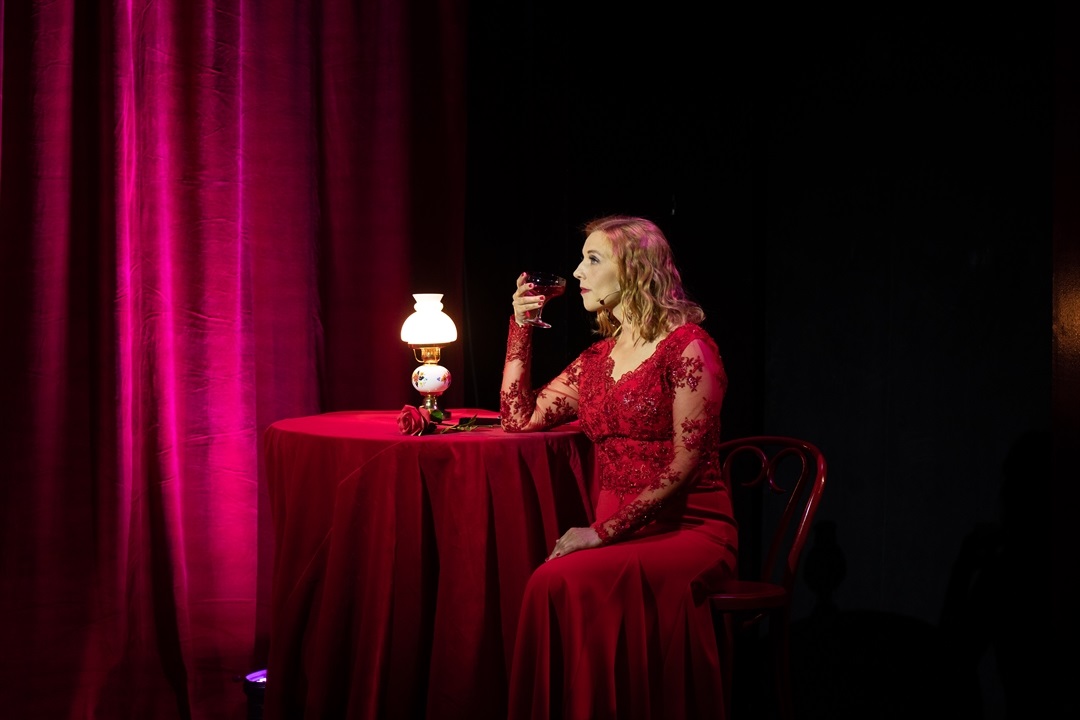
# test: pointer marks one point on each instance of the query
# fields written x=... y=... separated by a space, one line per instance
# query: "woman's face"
x=598 y=273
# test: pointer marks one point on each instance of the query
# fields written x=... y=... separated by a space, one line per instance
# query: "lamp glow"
x=426 y=331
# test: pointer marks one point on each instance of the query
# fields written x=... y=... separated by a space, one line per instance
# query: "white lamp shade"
x=429 y=325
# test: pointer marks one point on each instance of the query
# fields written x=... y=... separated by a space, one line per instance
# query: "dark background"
x=862 y=202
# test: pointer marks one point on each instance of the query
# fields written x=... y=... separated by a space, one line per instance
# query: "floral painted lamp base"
x=431 y=381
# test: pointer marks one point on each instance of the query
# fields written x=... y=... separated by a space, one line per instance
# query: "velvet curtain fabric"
x=213 y=214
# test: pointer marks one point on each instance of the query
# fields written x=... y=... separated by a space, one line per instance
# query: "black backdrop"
x=862 y=203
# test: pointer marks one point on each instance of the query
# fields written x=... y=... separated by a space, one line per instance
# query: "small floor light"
x=255 y=689
x=426 y=331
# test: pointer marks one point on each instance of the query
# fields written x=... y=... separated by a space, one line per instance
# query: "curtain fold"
x=212 y=216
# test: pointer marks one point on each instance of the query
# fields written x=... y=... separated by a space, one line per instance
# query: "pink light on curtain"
x=187 y=520
x=208 y=216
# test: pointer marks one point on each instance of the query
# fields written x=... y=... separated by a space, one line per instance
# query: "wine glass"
x=547 y=284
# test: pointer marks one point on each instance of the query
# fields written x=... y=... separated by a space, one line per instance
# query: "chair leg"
x=726 y=647
x=780 y=631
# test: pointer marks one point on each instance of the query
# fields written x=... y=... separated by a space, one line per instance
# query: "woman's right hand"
x=525 y=304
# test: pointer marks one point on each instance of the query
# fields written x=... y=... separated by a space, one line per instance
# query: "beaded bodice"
x=655 y=428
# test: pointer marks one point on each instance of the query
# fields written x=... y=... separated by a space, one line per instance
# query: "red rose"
x=413 y=420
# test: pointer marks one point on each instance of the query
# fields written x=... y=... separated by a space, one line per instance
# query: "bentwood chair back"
x=777 y=484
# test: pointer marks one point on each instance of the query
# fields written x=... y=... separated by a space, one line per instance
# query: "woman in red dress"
x=614 y=623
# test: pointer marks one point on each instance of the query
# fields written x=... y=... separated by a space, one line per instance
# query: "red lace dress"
x=621 y=631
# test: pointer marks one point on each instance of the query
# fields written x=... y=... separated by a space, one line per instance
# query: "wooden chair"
x=779 y=480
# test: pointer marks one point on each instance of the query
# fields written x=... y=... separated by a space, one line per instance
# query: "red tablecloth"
x=400 y=562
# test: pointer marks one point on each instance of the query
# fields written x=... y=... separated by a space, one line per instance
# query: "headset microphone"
x=603 y=300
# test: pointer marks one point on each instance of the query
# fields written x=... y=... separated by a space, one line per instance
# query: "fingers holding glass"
x=546 y=286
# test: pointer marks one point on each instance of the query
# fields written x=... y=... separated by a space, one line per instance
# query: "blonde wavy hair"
x=652 y=298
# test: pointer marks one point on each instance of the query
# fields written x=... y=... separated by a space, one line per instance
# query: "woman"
x=613 y=624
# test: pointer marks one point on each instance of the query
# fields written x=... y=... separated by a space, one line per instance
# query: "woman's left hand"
x=573 y=540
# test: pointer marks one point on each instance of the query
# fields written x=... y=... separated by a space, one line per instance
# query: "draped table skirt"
x=400 y=562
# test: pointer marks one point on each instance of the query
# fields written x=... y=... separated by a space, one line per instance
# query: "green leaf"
x=462 y=426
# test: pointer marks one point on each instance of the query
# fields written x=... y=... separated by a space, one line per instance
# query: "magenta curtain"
x=213 y=214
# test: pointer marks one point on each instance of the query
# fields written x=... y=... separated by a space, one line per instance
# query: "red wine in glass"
x=550 y=286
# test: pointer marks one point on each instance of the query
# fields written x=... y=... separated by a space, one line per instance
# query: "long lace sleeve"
x=522 y=408
x=699 y=384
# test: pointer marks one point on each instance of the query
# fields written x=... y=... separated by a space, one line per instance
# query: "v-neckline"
x=611 y=361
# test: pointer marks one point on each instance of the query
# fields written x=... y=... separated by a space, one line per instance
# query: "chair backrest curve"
x=772 y=455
